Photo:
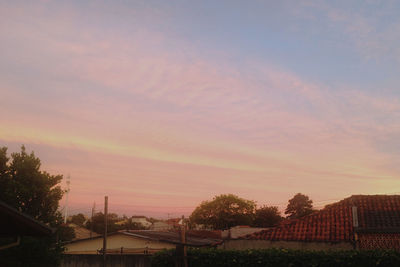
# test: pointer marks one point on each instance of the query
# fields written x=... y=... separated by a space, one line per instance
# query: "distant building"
x=142 y=220
x=173 y=223
x=161 y=226
x=357 y=222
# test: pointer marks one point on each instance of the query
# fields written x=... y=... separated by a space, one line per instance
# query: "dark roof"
x=213 y=234
x=81 y=232
x=163 y=236
x=174 y=238
x=334 y=223
x=378 y=212
x=16 y=223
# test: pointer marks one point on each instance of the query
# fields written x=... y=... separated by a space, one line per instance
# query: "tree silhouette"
x=223 y=212
x=267 y=217
x=300 y=205
x=36 y=193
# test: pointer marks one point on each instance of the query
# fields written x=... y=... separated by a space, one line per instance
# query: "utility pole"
x=183 y=240
x=66 y=199
x=91 y=219
x=105 y=230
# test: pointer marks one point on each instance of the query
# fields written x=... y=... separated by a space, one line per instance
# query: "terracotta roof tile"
x=334 y=223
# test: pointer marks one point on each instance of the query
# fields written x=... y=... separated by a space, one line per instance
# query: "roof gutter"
x=14 y=244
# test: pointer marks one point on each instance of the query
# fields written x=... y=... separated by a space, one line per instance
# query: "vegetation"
x=279 y=258
x=97 y=223
x=114 y=223
x=267 y=217
x=78 y=219
x=224 y=211
x=300 y=205
x=131 y=225
x=36 y=193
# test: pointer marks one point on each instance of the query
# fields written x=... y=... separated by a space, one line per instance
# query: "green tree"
x=267 y=217
x=78 y=219
x=131 y=225
x=65 y=233
x=223 y=212
x=300 y=205
x=98 y=223
x=36 y=193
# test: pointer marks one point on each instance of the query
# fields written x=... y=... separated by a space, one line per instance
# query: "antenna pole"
x=66 y=199
x=91 y=219
x=105 y=230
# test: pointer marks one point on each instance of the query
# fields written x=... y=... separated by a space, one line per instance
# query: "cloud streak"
x=159 y=117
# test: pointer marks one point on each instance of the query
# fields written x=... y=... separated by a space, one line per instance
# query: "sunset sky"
x=163 y=104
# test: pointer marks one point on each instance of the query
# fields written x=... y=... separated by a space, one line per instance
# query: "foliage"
x=98 y=223
x=131 y=225
x=65 y=233
x=267 y=217
x=279 y=258
x=26 y=188
x=300 y=205
x=114 y=223
x=78 y=219
x=32 y=252
x=223 y=212
x=36 y=193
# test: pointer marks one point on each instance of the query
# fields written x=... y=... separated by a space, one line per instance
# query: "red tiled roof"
x=334 y=223
x=378 y=211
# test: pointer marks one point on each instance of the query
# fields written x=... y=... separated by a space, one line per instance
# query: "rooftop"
x=334 y=223
x=16 y=223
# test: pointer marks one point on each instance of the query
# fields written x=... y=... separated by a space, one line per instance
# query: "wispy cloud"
x=365 y=24
x=130 y=104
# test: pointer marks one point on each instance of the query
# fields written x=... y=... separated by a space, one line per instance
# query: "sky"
x=161 y=105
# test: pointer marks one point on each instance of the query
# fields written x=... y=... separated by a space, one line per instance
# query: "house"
x=161 y=226
x=136 y=242
x=14 y=224
x=142 y=220
x=357 y=222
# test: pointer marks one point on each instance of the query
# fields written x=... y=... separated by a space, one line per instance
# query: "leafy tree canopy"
x=78 y=219
x=223 y=212
x=98 y=223
x=300 y=205
x=129 y=224
x=36 y=193
x=26 y=188
x=267 y=217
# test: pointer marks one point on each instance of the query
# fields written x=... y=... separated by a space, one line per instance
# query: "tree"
x=36 y=193
x=267 y=217
x=300 y=205
x=131 y=225
x=28 y=189
x=78 y=219
x=98 y=223
x=223 y=212
x=65 y=233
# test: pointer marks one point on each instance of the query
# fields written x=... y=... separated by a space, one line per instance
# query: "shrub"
x=279 y=257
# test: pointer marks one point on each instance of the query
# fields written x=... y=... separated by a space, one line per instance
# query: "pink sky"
x=159 y=122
